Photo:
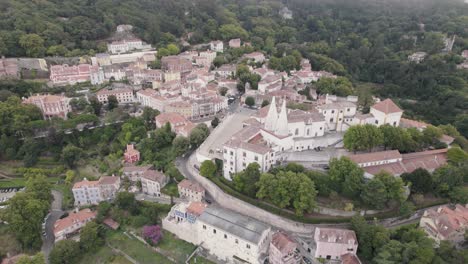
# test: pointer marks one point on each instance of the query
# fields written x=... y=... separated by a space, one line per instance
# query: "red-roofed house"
x=386 y=112
x=131 y=155
x=51 y=105
x=445 y=223
x=64 y=74
x=72 y=224
x=395 y=163
x=332 y=243
x=179 y=124
x=350 y=258
x=123 y=95
x=191 y=190
x=283 y=250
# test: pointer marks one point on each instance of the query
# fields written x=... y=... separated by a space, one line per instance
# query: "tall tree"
x=65 y=252
x=346 y=177
x=208 y=169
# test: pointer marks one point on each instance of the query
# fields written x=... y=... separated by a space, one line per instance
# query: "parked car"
x=306 y=260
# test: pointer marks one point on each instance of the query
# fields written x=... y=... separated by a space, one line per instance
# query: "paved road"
x=151 y=198
x=53 y=216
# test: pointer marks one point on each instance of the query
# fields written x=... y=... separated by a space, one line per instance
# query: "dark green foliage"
x=66 y=251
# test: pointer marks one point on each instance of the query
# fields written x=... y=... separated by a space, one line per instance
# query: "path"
x=53 y=216
x=155 y=199
x=118 y=251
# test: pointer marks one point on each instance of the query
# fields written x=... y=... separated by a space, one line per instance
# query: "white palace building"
x=273 y=131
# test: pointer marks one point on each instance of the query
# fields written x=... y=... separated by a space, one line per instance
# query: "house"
x=175 y=64
x=131 y=155
x=191 y=190
x=183 y=108
x=179 y=124
x=283 y=250
x=217 y=46
x=93 y=192
x=152 y=182
x=408 y=123
x=134 y=173
x=395 y=163
x=235 y=43
x=72 y=224
x=127 y=45
x=9 y=68
x=386 y=112
x=417 y=57
x=225 y=71
x=123 y=95
x=445 y=223
x=65 y=74
x=270 y=83
x=464 y=54
x=255 y=57
x=51 y=105
x=338 y=114
x=231 y=237
x=109 y=222
x=332 y=243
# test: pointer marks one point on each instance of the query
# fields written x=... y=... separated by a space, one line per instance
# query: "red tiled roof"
x=375 y=156
x=111 y=223
x=188 y=184
x=108 y=180
x=73 y=218
x=196 y=208
x=155 y=176
x=283 y=243
x=412 y=123
x=387 y=106
x=335 y=235
x=447 y=220
x=349 y=258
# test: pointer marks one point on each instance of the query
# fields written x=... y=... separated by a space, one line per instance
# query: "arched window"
x=297 y=131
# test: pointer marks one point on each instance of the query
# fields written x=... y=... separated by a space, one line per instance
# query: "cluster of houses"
x=236 y=238
x=274 y=131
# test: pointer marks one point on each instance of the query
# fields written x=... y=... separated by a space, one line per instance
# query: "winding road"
x=52 y=217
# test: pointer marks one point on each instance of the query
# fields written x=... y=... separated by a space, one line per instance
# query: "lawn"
x=171 y=189
x=175 y=248
x=104 y=255
x=135 y=249
x=21 y=182
x=200 y=260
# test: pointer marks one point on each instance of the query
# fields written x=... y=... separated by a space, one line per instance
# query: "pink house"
x=64 y=74
x=131 y=155
x=51 y=105
x=332 y=243
x=283 y=250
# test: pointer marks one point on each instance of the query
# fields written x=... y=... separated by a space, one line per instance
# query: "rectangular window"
x=244 y=154
x=225 y=236
x=237 y=241
x=248 y=246
x=214 y=231
x=204 y=226
x=256 y=158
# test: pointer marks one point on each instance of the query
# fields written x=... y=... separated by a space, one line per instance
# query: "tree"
x=215 y=122
x=421 y=180
x=90 y=237
x=36 y=259
x=103 y=210
x=24 y=216
x=96 y=105
x=149 y=114
x=362 y=137
x=246 y=180
x=112 y=102
x=457 y=155
x=208 y=169
x=71 y=154
x=288 y=189
x=152 y=234
x=180 y=145
x=433 y=42
x=126 y=201
x=374 y=194
x=459 y=194
x=198 y=135
x=223 y=91
x=346 y=177
x=65 y=252
x=38 y=187
x=250 y=101
x=265 y=103
x=69 y=176
x=340 y=86
x=33 y=45
x=173 y=49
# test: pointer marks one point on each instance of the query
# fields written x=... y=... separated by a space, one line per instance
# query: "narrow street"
x=53 y=216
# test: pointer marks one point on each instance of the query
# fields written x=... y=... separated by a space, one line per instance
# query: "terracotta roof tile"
x=387 y=106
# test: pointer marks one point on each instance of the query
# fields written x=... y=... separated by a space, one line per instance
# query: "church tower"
x=282 y=123
x=272 y=116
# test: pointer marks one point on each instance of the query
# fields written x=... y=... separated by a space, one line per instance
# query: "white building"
x=269 y=134
x=231 y=237
x=127 y=45
x=386 y=112
x=338 y=115
x=417 y=57
x=93 y=192
x=332 y=243
x=123 y=95
x=134 y=173
x=152 y=182
x=217 y=46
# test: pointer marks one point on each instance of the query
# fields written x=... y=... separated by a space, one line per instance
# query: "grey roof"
x=236 y=224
